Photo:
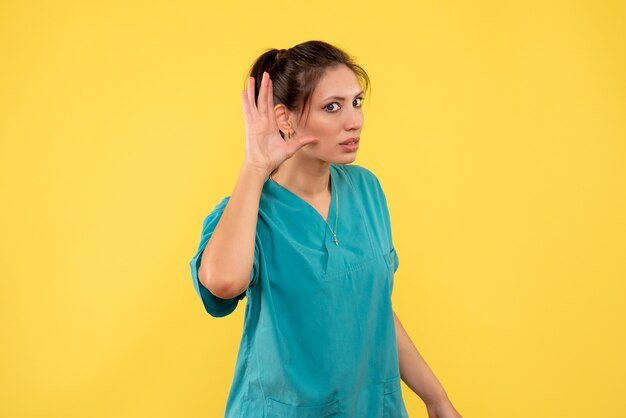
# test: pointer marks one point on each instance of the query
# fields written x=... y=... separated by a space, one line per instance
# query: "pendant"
x=335 y=239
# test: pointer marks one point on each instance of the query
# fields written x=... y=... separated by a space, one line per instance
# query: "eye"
x=357 y=102
x=329 y=107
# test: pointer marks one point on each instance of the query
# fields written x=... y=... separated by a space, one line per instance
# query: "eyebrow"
x=341 y=98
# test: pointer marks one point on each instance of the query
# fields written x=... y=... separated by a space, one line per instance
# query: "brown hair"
x=296 y=71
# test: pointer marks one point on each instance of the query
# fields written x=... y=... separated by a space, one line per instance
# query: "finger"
x=262 y=99
x=270 y=106
x=270 y=93
x=250 y=91
x=246 y=107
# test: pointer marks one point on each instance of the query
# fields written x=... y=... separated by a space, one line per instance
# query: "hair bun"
x=281 y=54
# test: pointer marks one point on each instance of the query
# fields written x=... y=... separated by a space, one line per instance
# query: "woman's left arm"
x=418 y=376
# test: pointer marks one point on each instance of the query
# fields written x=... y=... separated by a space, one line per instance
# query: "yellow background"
x=497 y=131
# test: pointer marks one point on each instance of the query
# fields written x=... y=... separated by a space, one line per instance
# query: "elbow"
x=223 y=289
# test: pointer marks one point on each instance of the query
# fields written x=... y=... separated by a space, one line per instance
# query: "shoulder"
x=365 y=183
x=359 y=174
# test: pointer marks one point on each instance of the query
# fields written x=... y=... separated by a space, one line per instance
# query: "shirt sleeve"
x=214 y=305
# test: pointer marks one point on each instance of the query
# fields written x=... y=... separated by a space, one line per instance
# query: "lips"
x=349 y=141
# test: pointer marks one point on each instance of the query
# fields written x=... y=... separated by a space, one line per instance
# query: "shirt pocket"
x=355 y=268
x=391 y=260
x=393 y=404
x=277 y=409
x=391 y=257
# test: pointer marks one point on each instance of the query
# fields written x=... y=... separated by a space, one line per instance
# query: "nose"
x=354 y=119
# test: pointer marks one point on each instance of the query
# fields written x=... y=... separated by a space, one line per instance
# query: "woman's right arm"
x=229 y=254
x=228 y=257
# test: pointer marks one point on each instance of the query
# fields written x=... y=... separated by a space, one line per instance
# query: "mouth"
x=350 y=141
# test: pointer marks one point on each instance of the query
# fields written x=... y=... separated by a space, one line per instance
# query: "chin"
x=342 y=158
x=345 y=159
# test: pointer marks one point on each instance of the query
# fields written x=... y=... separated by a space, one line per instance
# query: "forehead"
x=337 y=81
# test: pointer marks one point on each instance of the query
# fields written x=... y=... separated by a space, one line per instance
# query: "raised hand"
x=265 y=148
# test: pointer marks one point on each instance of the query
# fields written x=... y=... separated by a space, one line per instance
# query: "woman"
x=307 y=238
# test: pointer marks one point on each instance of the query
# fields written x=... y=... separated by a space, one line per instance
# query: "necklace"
x=332 y=187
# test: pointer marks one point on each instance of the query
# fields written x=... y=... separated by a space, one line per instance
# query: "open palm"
x=265 y=148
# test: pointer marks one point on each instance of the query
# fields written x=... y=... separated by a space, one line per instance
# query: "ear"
x=283 y=119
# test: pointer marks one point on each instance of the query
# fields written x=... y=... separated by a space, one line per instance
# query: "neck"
x=310 y=179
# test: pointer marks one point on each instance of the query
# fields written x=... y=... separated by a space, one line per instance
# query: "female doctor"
x=306 y=236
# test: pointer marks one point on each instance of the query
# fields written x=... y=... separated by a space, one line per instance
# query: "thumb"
x=300 y=142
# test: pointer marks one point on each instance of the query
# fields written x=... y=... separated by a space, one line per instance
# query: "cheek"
x=320 y=128
x=326 y=127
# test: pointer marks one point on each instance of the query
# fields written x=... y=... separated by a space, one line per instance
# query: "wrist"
x=255 y=170
x=436 y=399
